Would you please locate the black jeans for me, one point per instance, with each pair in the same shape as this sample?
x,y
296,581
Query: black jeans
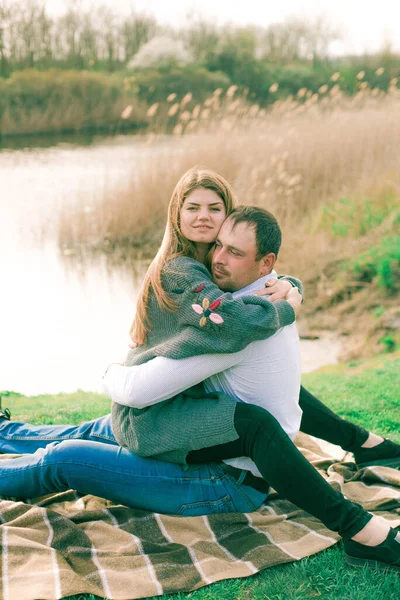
x,y
321,422
281,464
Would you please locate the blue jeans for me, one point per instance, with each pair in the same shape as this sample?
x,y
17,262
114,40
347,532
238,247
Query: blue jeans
x,y
88,459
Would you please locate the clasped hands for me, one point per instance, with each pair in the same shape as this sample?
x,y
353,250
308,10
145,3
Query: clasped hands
x,y
281,289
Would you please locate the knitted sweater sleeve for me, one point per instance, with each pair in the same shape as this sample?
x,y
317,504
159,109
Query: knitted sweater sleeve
x,y
222,323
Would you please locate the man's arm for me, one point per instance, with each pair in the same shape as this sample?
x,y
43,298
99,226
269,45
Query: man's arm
x,y
162,378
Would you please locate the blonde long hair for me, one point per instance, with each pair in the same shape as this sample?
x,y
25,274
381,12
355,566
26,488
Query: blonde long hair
x,y
175,244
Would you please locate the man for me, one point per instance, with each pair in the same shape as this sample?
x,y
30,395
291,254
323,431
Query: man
x,y
265,373
106,470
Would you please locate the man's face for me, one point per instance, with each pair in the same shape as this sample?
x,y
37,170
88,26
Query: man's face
x,y
235,264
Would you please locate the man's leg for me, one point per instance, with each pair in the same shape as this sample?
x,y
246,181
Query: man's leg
x,y
284,467
281,464
321,422
23,438
116,474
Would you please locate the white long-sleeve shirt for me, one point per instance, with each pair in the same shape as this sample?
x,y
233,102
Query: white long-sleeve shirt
x,y
266,373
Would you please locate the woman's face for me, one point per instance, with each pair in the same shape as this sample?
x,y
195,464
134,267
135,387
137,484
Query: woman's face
x,y
202,215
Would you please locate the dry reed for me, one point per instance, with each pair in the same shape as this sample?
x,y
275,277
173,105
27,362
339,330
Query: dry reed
x,y
295,160
299,159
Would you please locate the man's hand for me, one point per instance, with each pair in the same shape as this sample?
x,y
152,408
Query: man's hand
x,y
294,298
277,289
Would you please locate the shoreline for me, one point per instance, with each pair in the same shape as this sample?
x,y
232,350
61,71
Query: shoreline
x,y
58,136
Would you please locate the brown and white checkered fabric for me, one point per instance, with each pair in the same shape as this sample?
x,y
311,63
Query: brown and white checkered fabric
x,y
64,544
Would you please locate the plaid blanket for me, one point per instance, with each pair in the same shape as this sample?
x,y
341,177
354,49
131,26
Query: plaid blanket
x,y
65,544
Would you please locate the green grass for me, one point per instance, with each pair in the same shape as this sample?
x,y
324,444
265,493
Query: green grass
x,y
63,408
354,218
366,392
382,262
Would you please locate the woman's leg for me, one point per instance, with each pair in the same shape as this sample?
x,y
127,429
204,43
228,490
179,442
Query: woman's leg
x,y
23,438
119,475
285,468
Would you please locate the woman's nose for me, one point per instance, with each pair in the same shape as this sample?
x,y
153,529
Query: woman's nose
x,y
204,215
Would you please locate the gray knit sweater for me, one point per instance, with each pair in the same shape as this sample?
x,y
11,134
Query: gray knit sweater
x,y
206,321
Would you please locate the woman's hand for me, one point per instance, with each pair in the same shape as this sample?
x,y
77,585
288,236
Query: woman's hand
x,y
294,298
277,289
132,344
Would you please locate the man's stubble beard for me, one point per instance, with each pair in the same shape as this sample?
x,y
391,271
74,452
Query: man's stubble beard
x,y
224,288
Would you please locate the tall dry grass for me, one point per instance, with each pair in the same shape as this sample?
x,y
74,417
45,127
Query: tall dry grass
x,y
297,159
325,164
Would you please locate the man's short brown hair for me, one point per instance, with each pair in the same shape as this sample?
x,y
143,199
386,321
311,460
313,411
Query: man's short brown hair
x,y
267,230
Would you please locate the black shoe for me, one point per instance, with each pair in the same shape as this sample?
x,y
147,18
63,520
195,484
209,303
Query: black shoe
x,y
5,414
385,556
378,455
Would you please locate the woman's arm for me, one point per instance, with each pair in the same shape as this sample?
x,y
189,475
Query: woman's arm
x,y
226,324
207,321
162,378
293,282
278,289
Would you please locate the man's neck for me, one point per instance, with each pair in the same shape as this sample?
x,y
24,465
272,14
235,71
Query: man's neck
x,y
258,284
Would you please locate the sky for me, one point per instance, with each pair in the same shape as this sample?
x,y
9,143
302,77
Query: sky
x,y
366,25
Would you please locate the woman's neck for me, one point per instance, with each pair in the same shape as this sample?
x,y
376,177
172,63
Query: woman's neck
x,y
201,252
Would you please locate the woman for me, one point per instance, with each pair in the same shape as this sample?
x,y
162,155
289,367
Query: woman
x,y
167,324
196,430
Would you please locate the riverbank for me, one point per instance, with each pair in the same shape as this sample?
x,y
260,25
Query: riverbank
x,y
365,392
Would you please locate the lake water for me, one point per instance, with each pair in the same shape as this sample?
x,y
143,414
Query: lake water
x,y
61,325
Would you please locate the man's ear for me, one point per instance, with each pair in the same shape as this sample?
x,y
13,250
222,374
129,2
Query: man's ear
x,y
267,263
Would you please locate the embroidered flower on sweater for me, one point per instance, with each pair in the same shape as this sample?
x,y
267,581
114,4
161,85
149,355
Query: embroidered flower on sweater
x,y
205,310
195,291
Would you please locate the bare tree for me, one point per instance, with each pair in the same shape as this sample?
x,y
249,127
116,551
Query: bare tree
x,y
88,40
109,38
136,31
299,39
78,38
320,34
68,34
202,36
4,24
